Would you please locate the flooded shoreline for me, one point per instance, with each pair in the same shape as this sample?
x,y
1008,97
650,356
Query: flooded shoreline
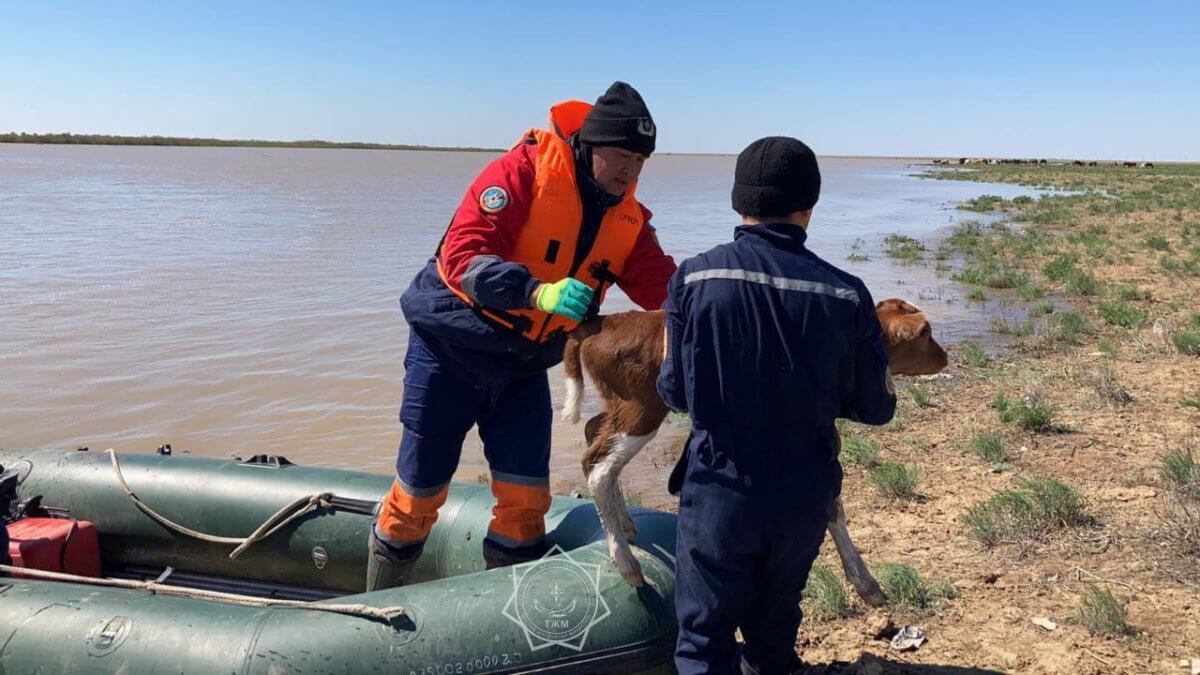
x,y
243,300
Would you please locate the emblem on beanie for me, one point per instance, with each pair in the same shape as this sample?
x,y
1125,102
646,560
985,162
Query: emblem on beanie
x,y
646,126
493,199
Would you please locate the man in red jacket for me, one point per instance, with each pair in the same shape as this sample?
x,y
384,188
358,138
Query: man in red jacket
x,y
538,239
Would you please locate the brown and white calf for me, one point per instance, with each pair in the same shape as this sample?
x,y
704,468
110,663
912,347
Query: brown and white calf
x,y
623,353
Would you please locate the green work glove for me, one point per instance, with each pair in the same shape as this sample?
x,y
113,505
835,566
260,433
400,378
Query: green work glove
x,y
568,297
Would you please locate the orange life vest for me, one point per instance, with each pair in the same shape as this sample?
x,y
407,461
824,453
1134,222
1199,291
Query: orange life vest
x,y
548,239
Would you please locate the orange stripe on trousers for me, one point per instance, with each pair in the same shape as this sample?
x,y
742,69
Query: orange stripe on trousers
x,y
405,519
520,511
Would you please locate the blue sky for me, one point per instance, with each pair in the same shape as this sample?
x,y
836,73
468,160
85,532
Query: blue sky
x,y
1052,79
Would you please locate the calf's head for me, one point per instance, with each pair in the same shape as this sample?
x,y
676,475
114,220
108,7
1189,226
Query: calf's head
x,y
909,339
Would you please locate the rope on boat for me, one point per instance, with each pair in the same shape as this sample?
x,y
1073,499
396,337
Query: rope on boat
x,y
297,509
384,614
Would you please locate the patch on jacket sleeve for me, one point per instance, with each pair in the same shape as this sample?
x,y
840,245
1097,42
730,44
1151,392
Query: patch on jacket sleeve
x,y
493,199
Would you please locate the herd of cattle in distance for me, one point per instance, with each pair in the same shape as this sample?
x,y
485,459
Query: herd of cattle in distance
x,y
1078,162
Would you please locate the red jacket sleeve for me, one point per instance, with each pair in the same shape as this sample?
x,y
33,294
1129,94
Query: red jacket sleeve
x,y
648,269
478,243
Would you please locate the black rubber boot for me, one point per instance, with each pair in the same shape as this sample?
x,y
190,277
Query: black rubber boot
x,y
387,565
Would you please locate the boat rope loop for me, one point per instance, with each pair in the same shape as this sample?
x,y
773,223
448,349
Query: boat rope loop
x,y
297,509
384,614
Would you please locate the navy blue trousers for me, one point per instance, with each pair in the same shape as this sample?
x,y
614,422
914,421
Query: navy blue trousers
x,y
442,401
743,558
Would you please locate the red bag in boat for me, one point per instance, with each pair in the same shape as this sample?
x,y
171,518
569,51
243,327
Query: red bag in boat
x,y
55,545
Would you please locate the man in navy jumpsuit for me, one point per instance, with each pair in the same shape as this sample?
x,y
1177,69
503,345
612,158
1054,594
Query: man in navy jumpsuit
x,y
768,345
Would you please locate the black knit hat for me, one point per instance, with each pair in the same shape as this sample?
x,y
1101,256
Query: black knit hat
x,y
620,118
775,176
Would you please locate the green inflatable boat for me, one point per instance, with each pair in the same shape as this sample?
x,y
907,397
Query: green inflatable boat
x,y
169,598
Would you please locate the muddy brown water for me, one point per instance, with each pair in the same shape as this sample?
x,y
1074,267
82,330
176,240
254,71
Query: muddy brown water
x,y
242,300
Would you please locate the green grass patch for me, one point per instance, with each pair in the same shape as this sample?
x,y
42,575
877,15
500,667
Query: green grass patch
x,y
1107,347
1043,308
1079,282
825,596
1013,328
1187,342
904,587
1188,267
860,451
967,237
895,480
857,257
1029,512
1157,243
921,395
1030,412
974,355
1030,292
1181,473
1070,327
1101,613
1192,401
976,295
1123,314
989,446
1129,293
992,276
1059,268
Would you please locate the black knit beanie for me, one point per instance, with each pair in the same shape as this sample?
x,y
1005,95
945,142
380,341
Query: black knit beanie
x,y
621,119
775,176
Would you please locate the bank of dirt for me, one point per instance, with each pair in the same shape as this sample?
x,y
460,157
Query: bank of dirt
x,y
1107,351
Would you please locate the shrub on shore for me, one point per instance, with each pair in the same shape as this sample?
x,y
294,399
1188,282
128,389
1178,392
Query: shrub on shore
x,y
1187,342
1030,412
825,595
982,203
974,355
860,451
1123,315
989,446
1101,613
1069,327
1031,511
895,480
904,587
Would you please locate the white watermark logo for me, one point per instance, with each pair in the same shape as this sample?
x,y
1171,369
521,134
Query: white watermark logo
x,y
556,600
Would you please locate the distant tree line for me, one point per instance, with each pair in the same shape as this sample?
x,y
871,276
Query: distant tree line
x,y
104,139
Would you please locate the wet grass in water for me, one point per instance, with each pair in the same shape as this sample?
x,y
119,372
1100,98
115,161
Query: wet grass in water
x,y
902,247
